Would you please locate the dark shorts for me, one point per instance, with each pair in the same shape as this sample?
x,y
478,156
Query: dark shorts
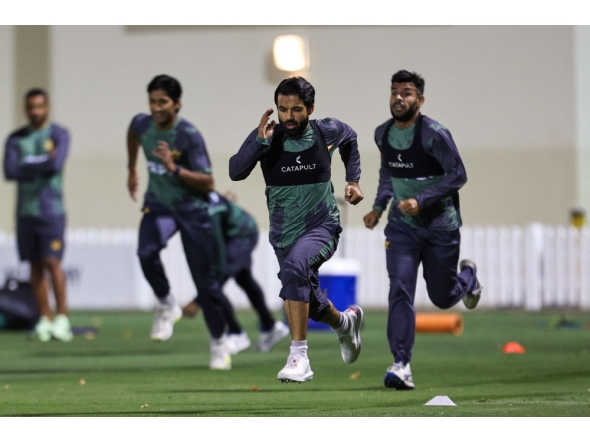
x,y
40,238
299,265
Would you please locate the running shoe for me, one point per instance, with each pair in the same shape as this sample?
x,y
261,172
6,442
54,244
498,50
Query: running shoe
x,y
43,329
62,329
237,342
268,339
399,377
164,319
220,355
471,299
297,369
350,341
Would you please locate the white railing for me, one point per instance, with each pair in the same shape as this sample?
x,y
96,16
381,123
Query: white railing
x,y
531,268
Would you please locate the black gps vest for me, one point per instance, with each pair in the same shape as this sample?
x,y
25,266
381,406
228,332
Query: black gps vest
x,y
411,163
284,168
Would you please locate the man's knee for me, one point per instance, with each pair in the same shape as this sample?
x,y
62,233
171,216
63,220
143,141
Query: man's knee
x,y
293,270
52,264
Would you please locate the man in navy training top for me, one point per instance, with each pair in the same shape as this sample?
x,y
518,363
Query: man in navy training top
x,y
35,157
176,200
422,171
295,158
237,234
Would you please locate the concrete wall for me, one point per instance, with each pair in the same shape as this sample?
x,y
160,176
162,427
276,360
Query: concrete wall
x,y
489,85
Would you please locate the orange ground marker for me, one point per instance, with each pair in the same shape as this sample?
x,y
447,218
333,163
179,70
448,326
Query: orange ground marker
x,y
513,347
439,323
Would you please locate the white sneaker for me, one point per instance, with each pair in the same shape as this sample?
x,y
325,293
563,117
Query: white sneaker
x,y
220,355
62,329
399,377
471,299
43,329
297,369
268,339
164,319
237,342
350,341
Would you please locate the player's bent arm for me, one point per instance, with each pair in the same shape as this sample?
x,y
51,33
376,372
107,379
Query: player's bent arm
x,y
372,219
133,144
201,181
243,162
12,168
384,189
446,152
339,134
56,159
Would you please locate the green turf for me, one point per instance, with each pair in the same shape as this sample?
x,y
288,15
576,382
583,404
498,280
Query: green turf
x,y
123,370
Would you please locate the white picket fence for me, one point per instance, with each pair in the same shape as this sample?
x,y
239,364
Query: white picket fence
x,y
528,267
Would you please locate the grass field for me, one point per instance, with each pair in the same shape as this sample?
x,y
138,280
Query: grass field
x,y
122,373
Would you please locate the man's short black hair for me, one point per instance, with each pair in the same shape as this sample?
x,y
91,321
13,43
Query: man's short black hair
x,y
406,76
296,86
168,84
36,92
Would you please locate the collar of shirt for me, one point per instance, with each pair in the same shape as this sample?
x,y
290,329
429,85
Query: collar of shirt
x,y
307,140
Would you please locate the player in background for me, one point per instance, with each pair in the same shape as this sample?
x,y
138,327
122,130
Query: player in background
x,y
176,199
422,172
295,157
35,157
237,234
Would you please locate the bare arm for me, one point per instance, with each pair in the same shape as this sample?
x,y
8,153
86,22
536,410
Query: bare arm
x,y
132,149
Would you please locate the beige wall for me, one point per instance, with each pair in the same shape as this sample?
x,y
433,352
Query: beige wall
x,y
487,84
7,121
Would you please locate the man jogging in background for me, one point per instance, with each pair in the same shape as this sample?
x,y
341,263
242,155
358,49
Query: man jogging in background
x,y
422,171
237,234
35,157
295,158
176,200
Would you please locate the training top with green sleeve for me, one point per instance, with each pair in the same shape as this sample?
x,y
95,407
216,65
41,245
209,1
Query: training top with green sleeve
x,y
297,172
35,159
420,162
165,193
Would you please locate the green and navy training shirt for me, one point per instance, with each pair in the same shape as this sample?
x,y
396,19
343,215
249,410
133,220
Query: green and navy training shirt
x,y
35,159
431,172
166,193
299,192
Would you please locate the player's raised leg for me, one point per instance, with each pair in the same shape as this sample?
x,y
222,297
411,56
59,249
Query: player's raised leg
x,y
154,233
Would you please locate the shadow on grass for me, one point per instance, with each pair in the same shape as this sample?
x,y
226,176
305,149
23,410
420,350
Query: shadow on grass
x,y
91,370
103,353
280,390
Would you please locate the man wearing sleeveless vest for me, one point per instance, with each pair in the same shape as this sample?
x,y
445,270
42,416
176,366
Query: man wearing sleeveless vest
x,y
422,172
295,158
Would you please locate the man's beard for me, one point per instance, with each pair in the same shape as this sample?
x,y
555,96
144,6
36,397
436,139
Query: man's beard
x,y
408,115
298,131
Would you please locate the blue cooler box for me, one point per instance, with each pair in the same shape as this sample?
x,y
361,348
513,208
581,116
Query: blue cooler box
x,y
338,276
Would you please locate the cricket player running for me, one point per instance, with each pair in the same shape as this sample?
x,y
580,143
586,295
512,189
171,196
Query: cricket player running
x,y
176,199
295,158
422,171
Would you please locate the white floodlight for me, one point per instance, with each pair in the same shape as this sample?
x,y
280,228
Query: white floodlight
x,y
291,53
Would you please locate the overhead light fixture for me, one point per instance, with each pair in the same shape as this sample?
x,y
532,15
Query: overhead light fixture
x,y
291,53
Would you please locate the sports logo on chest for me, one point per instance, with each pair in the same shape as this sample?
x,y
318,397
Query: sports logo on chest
x,y
299,166
400,163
